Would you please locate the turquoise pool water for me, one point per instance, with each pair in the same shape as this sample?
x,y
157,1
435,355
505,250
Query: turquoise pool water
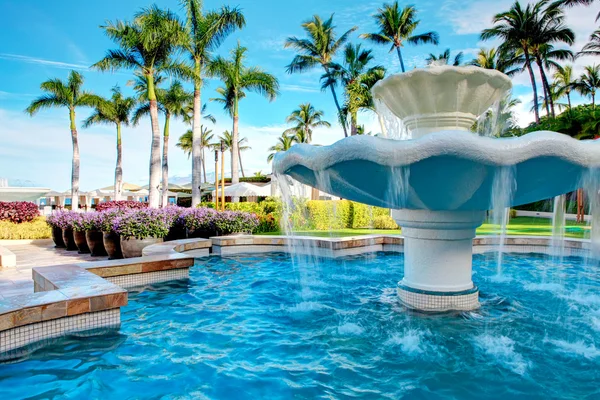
x,y
267,326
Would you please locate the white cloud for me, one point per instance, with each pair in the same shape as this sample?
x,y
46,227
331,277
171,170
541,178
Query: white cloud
x,y
41,61
299,88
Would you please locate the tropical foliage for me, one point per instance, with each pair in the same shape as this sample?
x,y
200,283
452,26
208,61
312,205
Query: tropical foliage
x,y
305,119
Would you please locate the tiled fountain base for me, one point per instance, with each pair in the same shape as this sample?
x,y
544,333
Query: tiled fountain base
x,y
423,300
130,281
23,340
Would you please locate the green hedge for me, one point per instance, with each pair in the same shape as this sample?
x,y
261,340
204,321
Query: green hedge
x,y
329,214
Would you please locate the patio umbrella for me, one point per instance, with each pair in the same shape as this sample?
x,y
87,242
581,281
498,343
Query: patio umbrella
x,y
245,189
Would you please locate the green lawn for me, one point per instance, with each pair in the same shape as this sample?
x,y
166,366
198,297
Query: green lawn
x,y
531,226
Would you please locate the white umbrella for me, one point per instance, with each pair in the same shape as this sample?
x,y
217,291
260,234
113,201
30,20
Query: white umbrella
x,y
244,189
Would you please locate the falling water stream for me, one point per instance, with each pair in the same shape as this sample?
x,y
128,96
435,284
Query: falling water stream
x,y
503,188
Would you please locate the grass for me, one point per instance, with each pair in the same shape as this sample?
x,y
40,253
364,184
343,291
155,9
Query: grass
x,y
36,229
530,226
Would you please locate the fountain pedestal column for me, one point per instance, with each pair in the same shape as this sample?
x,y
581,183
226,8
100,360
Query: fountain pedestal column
x,y
438,255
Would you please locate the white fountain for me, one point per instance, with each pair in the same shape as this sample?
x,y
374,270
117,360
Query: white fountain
x,y
441,182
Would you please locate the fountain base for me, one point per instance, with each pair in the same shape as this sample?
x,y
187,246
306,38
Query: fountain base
x,y
438,255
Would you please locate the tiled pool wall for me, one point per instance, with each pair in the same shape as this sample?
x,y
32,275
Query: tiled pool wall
x,y
85,299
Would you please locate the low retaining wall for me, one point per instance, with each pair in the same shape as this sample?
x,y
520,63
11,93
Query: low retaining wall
x,y
8,259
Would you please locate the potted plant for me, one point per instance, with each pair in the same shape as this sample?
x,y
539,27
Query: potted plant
x,y
140,228
56,231
110,238
64,220
79,233
199,222
178,230
91,221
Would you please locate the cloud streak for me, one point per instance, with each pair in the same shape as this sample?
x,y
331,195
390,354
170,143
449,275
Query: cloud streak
x,y
42,61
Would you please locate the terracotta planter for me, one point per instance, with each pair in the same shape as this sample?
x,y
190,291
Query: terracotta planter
x,y
95,243
201,233
176,233
133,247
68,240
80,241
57,237
112,245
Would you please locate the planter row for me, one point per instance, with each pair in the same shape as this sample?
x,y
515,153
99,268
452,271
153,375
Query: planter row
x,y
99,244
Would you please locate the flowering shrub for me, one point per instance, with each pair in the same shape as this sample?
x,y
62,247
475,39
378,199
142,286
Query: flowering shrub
x,y
63,219
141,224
176,214
267,223
122,205
200,219
18,211
90,221
106,218
227,222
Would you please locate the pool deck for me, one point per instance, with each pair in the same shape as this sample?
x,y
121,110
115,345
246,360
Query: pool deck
x,y
30,254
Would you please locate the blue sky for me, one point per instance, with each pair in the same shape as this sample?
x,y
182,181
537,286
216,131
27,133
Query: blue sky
x,y
46,39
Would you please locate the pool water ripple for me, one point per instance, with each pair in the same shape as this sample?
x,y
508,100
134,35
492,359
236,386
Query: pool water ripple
x,y
270,326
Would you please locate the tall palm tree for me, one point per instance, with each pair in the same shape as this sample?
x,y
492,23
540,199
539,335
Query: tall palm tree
x,y
69,95
186,144
172,102
146,45
357,79
305,119
517,28
114,111
284,143
396,27
589,82
238,79
444,59
205,33
318,50
227,140
592,48
565,82
493,58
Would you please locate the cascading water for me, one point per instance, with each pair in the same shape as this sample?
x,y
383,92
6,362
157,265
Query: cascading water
x,y
557,248
502,193
392,127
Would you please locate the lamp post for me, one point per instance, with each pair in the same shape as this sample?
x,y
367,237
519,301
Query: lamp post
x,y
223,175
216,179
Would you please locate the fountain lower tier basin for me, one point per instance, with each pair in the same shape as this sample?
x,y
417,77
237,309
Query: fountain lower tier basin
x,y
451,170
279,327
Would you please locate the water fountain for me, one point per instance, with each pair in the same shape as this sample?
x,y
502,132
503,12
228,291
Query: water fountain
x,y
445,177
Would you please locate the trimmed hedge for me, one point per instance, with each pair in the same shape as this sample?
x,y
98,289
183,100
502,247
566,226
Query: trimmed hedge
x,y
122,205
330,214
35,229
18,211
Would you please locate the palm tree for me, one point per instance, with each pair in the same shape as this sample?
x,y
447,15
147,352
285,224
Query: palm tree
x,y
69,95
115,111
205,33
571,3
357,79
493,58
517,28
396,27
238,79
589,82
305,119
318,50
146,45
227,139
444,59
186,144
593,47
563,78
284,143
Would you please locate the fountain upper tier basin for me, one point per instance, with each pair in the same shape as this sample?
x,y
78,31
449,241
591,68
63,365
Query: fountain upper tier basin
x,y
448,170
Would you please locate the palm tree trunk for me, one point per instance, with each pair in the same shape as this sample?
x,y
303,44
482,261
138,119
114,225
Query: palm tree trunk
x,y
119,166
75,163
165,163
204,165
536,106
400,58
197,138
353,122
241,166
154,181
547,92
569,100
337,104
235,174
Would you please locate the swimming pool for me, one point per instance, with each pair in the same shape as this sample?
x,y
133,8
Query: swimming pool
x,y
273,326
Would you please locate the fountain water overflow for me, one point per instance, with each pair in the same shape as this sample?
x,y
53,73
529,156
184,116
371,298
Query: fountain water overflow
x,y
440,183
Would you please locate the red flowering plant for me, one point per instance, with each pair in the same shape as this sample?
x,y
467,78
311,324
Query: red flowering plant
x,y
121,205
18,211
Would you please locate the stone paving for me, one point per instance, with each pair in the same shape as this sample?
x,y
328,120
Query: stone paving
x,y
37,253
